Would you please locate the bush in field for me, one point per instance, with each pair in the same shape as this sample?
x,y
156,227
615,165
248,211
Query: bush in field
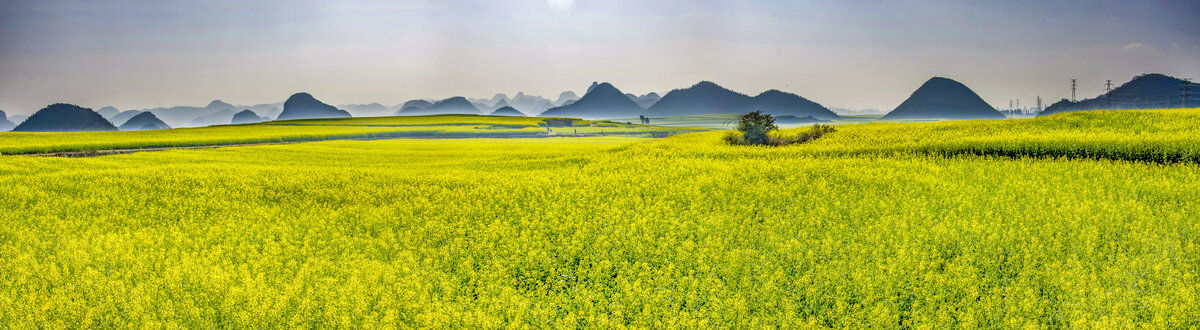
x,y
755,126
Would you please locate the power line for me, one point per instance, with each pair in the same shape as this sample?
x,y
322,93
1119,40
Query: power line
x,y
1073,85
1108,93
1187,87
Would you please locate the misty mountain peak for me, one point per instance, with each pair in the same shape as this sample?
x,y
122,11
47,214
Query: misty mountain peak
x,y
218,104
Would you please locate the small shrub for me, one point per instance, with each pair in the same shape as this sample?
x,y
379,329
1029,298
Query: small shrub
x,y
755,126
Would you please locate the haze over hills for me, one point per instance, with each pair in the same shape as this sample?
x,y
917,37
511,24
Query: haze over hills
x,y
707,97
787,104
565,97
521,102
182,116
247,117
453,105
121,117
305,106
938,98
1148,91
500,105
143,121
108,111
507,111
216,118
943,98
601,101
413,105
367,110
790,119
5,125
62,117
644,101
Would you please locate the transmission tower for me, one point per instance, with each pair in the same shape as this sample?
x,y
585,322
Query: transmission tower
x,y
1018,104
1108,93
1186,89
1039,104
1073,85
1010,107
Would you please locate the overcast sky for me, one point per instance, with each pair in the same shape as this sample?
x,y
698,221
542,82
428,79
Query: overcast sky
x,y
857,54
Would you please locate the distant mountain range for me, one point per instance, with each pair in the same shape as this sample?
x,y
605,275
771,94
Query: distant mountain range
x,y
644,101
937,98
215,113
222,117
520,102
601,101
1148,91
62,117
565,97
453,105
942,98
709,98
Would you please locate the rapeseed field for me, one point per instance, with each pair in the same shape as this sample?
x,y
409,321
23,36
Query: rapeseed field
x,y
1076,220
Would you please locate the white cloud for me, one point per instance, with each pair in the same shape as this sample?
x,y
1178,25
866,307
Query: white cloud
x,y
1138,46
561,5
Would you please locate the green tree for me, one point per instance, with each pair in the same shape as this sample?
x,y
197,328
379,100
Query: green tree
x,y
755,126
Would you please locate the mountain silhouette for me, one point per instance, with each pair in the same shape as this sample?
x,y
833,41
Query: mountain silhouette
x,y
183,116
453,105
602,101
707,97
217,118
589,89
702,98
942,98
144,121
531,103
565,97
497,98
247,117
508,111
420,104
1148,91
5,124
645,101
62,117
305,106
123,116
501,104
780,103
108,112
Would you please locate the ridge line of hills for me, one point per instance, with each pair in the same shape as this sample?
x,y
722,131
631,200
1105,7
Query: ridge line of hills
x,y
937,98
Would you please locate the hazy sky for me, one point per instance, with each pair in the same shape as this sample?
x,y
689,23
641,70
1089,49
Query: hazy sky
x,y
859,54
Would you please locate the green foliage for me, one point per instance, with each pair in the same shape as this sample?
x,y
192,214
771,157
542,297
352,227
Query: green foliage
x,y
755,126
